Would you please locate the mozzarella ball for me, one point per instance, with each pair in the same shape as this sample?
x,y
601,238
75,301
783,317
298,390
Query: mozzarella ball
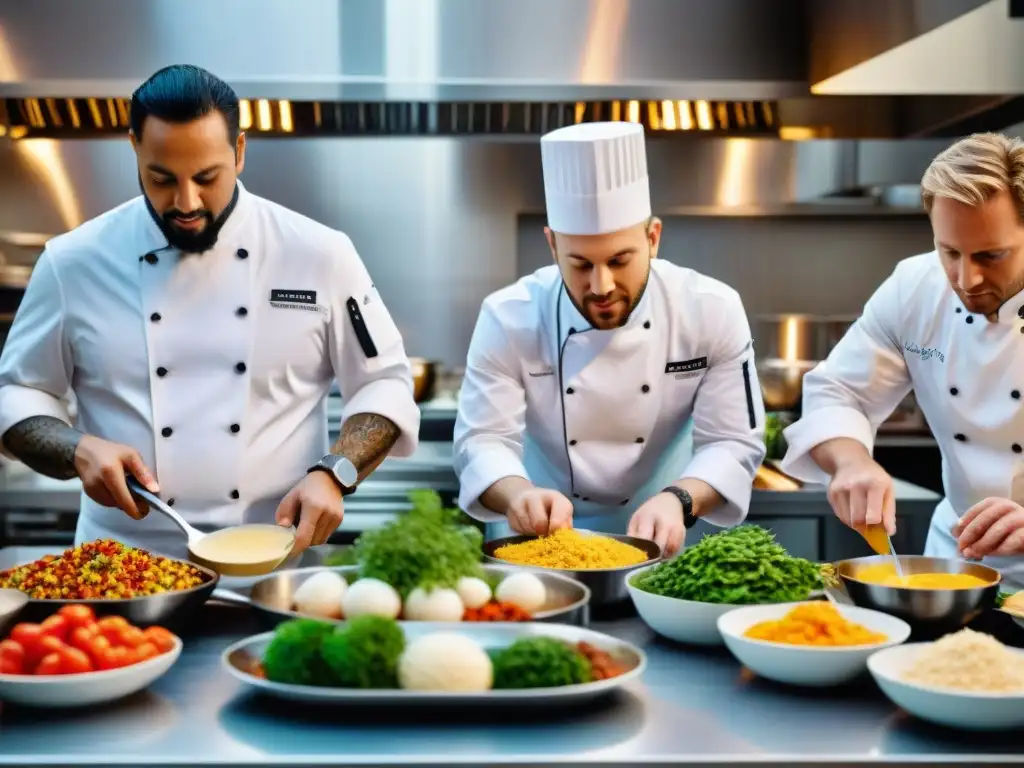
x,y
320,595
433,605
445,661
523,589
475,593
371,597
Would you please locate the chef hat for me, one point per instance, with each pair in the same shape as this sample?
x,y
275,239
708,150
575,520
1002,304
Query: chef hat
x,y
595,178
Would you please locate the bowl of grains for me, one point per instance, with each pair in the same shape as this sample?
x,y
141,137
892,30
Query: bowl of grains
x,y
966,680
114,579
601,561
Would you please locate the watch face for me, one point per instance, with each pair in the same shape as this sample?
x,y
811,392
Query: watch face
x,y
346,472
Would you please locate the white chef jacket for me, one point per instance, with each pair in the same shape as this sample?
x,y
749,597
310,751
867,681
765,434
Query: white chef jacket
x,y
215,367
601,416
967,375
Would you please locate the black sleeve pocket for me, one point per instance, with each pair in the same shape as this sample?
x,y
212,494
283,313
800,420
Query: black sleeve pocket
x,y
359,326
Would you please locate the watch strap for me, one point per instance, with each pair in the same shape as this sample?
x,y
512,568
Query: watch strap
x,y
689,519
326,464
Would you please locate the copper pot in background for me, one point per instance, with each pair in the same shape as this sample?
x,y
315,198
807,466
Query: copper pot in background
x,y
782,383
424,379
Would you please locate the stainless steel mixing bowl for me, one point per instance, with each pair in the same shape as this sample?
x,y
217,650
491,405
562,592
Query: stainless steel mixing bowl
x,y
607,585
932,611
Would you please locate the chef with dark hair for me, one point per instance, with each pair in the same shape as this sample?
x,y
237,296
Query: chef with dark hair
x,y
582,378
199,329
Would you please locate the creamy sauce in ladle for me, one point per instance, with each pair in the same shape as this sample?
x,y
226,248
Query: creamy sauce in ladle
x,y
244,544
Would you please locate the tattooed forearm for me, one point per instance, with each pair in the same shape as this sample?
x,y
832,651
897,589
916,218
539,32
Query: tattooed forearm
x,y
366,439
45,444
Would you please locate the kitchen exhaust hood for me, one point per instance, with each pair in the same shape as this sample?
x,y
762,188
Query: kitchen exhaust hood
x,y
503,68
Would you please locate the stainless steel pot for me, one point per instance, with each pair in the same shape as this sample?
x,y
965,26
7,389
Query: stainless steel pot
x,y
607,585
930,611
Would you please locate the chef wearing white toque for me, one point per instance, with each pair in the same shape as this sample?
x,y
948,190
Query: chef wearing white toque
x,y
582,379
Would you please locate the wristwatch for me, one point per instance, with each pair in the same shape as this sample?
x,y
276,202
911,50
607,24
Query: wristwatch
x,y
341,469
689,520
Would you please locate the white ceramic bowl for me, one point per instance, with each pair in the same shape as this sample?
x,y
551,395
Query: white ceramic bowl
x,y
685,621
802,664
957,709
11,603
87,688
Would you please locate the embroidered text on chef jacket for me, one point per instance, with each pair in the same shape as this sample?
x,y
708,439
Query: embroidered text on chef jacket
x,y
215,367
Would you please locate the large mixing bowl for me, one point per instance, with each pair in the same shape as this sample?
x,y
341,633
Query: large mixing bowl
x,y
930,611
607,585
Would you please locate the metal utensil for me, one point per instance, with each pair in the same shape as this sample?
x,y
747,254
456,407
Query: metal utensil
x,y
241,659
607,585
879,540
928,610
198,541
273,597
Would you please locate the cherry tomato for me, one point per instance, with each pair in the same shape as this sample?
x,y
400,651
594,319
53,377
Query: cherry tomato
x,y
74,662
26,635
98,645
163,639
12,657
50,665
81,638
56,626
112,626
131,637
115,657
146,650
77,615
112,622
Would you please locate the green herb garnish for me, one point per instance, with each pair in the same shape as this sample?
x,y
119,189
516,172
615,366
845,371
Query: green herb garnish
x,y
427,547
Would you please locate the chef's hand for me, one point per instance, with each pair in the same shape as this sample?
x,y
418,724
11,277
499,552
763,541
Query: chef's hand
x,y
991,527
317,504
539,511
660,519
102,466
861,494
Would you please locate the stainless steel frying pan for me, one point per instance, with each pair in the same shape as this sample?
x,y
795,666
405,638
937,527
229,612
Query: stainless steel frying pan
x,y
273,597
167,609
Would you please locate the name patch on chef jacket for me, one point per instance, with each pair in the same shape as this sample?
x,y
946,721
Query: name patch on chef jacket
x,y
288,299
686,369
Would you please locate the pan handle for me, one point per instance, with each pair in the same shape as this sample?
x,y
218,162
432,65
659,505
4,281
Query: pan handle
x,y
230,596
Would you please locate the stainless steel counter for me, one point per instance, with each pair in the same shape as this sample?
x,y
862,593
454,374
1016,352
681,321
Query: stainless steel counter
x,y
696,707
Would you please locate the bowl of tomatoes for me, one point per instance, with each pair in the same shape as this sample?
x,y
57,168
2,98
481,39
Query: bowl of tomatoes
x,y
74,659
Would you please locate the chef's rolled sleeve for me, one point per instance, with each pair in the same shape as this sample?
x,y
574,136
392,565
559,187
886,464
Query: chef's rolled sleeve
x,y
373,371
728,418
36,362
851,392
491,419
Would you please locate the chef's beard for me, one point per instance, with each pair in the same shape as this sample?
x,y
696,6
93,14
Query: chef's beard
x,y
191,242
588,311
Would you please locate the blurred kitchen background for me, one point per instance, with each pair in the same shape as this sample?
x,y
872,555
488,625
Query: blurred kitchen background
x,y
786,143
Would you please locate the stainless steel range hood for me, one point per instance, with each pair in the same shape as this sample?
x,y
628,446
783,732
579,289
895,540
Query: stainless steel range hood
x,y
410,67
505,68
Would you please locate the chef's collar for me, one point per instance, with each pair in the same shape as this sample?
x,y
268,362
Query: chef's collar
x,y
573,321
154,240
1012,311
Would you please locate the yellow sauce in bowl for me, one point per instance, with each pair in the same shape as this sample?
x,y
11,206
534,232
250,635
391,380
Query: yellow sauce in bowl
x,y
886,576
